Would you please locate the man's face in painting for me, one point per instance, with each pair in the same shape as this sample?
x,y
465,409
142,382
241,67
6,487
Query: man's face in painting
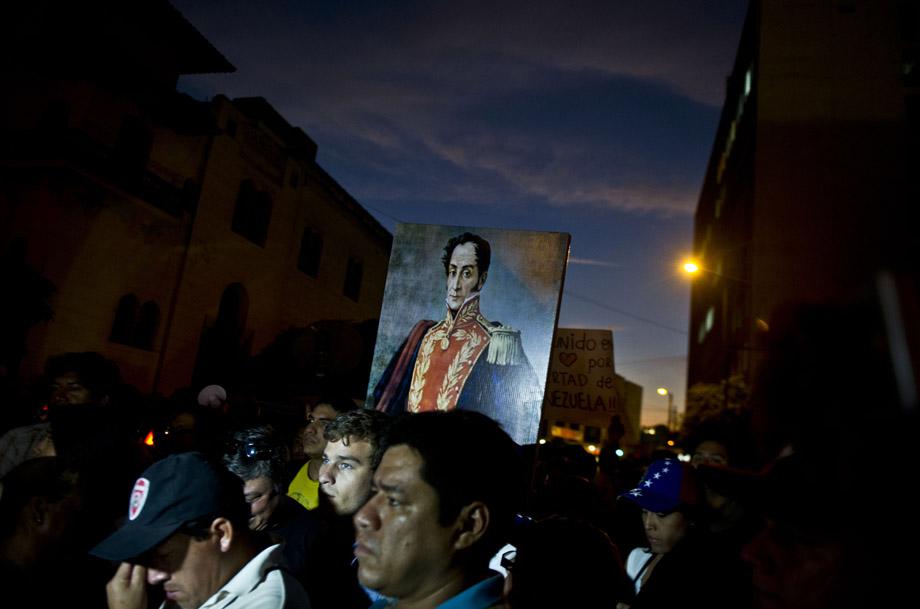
x,y
463,278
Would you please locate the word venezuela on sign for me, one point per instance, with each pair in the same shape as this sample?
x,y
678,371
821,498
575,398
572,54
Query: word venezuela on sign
x,y
581,386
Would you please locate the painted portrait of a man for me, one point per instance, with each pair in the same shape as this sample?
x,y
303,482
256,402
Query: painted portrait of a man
x,y
465,359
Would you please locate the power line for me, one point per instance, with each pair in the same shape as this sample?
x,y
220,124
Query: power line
x,y
653,359
626,313
382,213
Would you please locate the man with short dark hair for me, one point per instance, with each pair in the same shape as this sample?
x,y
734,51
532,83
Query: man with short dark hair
x,y
254,455
354,447
80,386
444,499
187,531
304,488
40,523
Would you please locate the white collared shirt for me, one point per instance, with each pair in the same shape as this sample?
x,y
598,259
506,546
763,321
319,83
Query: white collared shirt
x,y
260,584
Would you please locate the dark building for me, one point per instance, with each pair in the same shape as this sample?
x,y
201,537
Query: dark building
x,y
180,236
812,178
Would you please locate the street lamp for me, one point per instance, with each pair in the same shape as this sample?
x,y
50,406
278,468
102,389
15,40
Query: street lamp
x,y
693,267
672,415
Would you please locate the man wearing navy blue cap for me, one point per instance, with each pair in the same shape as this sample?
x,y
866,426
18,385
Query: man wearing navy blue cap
x,y
187,530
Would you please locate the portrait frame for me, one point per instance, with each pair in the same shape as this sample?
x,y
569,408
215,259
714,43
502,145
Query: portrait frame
x,y
522,292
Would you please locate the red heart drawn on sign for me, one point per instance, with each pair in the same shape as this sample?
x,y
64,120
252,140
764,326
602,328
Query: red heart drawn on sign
x,y
568,358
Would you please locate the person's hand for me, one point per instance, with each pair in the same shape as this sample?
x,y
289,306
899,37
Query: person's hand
x,y
128,588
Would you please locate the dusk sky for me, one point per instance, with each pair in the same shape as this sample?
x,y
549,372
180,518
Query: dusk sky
x,y
594,118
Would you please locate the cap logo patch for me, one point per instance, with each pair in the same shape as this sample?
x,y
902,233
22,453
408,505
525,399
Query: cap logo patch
x,y
138,497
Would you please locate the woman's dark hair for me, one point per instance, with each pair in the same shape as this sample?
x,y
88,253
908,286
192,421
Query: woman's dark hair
x,y
99,375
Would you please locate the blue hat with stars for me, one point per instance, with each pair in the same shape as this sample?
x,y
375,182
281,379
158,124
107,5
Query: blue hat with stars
x,y
667,485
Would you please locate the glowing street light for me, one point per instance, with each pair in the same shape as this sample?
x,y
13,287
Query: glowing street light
x,y
694,267
672,415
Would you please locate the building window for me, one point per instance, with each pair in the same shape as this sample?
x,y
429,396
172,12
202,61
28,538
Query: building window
x,y
720,201
909,20
132,150
252,213
148,320
135,325
707,324
311,250
353,273
125,317
910,67
846,6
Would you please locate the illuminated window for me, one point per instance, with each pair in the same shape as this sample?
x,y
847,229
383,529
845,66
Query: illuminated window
x,y
707,324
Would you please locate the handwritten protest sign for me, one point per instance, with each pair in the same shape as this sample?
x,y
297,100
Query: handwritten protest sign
x,y
581,386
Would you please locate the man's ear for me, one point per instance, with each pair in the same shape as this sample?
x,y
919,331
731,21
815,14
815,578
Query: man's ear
x,y
222,529
482,281
38,512
472,524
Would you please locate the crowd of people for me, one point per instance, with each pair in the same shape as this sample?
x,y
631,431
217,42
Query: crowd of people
x,y
233,504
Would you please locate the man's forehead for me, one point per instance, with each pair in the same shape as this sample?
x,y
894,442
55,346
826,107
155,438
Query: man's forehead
x,y
401,466
67,377
325,411
257,484
176,543
464,255
348,447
